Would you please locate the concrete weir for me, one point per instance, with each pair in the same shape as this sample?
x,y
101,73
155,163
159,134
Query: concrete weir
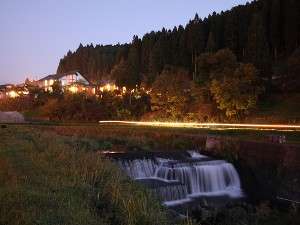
x,y
186,181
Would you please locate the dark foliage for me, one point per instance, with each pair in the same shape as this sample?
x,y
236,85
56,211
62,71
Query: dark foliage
x,y
264,33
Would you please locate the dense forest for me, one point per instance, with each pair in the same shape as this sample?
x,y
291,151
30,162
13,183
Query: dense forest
x,y
265,33
239,65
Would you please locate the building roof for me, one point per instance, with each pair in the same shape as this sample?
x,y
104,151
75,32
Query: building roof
x,y
58,76
5,86
82,84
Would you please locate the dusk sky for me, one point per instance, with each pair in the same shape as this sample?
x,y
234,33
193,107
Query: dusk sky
x,y
35,34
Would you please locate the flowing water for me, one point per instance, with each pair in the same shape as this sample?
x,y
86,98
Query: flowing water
x,y
181,180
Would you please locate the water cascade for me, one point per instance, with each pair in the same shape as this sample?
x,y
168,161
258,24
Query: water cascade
x,y
177,182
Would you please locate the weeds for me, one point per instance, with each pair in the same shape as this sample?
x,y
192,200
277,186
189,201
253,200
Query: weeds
x,y
55,175
50,179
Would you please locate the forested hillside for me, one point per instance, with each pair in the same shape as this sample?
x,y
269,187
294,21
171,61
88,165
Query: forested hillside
x,y
265,33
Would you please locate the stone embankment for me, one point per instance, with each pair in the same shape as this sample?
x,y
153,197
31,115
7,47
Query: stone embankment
x,y
268,170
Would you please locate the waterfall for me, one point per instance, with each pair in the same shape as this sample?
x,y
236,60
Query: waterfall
x,y
139,168
180,181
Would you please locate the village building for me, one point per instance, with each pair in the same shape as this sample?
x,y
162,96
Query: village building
x,y
70,82
73,82
2,91
12,91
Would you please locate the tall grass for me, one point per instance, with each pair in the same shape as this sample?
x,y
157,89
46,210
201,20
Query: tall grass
x,y
138,138
50,179
162,138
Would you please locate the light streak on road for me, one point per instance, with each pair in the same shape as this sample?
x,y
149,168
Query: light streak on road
x,y
221,126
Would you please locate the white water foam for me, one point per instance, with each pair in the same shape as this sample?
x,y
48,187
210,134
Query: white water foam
x,y
180,181
196,155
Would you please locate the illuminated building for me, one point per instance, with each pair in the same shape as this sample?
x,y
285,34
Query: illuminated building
x,y
4,89
12,91
72,82
108,87
12,94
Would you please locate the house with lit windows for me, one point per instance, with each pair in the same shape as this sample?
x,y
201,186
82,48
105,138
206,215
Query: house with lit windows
x,y
3,90
71,81
12,91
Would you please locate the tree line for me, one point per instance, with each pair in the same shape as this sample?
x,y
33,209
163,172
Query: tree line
x,y
265,33
214,69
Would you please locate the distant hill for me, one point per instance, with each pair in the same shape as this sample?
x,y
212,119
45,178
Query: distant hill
x,y
264,32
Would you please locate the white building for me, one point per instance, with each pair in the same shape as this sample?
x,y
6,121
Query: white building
x,y
72,81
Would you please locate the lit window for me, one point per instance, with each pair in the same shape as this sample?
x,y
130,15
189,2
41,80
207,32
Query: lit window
x,y
13,94
73,89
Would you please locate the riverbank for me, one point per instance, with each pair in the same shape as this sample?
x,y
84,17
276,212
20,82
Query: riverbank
x,y
59,169
272,167
52,179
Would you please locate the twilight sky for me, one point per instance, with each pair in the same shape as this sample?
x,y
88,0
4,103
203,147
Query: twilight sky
x,y
35,34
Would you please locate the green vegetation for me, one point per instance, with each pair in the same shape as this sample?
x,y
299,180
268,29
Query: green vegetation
x,y
163,138
170,94
274,107
56,175
229,58
226,67
47,178
57,106
226,91
264,33
237,94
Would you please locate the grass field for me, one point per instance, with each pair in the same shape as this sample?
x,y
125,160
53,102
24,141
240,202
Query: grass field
x,y
47,178
168,136
278,109
55,174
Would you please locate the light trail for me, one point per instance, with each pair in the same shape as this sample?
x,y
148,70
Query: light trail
x,y
280,127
